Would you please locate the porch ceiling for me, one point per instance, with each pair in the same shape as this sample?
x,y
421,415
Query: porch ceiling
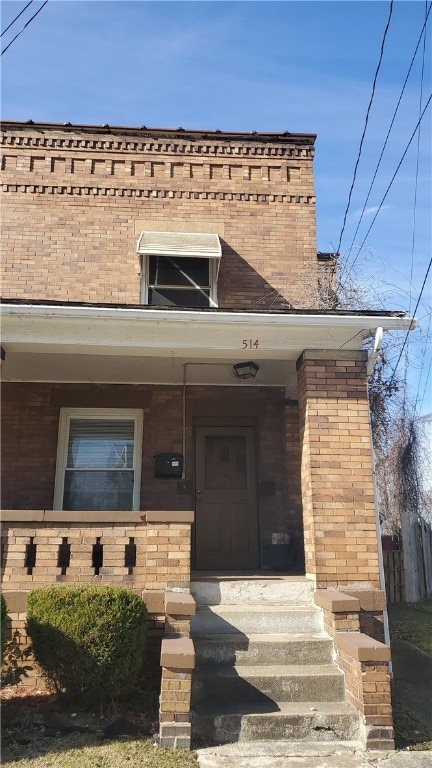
x,y
23,365
94,343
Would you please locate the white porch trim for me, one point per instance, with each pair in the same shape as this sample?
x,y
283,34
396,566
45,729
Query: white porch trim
x,y
186,333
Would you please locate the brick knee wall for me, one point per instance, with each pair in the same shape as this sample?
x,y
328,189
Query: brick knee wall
x,y
364,659
368,689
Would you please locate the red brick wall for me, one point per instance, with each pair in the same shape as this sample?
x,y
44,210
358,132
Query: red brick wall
x,y
30,425
74,204
338,495
29,446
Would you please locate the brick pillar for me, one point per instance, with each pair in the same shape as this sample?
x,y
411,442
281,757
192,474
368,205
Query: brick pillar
x,y
177,662
337,482
365,663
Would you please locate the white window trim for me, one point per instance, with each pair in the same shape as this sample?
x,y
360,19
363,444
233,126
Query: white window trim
x,y
116,414
213,275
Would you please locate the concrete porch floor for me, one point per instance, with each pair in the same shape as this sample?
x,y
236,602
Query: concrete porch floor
x,y
264,575
250,587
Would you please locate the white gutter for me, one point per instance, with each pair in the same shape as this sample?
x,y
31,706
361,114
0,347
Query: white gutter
x,y
370,366
364,322
375,352
378,533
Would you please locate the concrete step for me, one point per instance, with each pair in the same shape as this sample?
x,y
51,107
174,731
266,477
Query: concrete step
x,y
267,684
314,721
236,648
284,753
283,590
255,619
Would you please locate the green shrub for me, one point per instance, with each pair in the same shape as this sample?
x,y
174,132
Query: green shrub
x,y
3,624
88,640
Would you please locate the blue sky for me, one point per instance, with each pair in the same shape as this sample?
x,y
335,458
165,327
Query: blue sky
x,y
264,66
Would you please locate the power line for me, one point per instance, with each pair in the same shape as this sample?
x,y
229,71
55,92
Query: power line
x,y
16,18
421,369
425,418
390,127
22,30
412,319
388,187
365,126
417,165
413,239
425,388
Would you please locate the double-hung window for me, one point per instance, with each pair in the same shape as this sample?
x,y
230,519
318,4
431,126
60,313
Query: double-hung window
x,y
99,460
179,269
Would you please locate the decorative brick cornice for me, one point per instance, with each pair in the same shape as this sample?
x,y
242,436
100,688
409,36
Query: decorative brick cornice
x,y
155,193
114,144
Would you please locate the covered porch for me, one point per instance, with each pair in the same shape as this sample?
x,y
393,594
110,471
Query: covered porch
x,y
264,463
134,454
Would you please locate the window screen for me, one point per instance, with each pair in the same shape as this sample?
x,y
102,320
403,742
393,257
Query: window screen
x,y
99,472
179,281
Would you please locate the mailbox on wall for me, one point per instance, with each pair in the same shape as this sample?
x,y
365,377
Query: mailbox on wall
x,y
168,464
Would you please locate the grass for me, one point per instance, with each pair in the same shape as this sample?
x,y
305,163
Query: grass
x,y
410,733
44,731
412,622
74,752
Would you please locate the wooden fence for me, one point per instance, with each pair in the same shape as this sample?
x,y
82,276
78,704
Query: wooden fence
x,y
394,570
394,575
424,549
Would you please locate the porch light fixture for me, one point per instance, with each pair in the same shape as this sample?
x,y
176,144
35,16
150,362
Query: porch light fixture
x,y
246,370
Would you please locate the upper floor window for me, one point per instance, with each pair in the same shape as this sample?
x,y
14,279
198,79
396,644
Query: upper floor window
x,y
179,269
98,459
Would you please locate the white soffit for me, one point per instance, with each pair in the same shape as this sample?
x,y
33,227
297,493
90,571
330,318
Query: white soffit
x,y
190,333
191,244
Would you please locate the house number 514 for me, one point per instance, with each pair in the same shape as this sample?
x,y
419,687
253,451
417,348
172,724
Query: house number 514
x,y
250,344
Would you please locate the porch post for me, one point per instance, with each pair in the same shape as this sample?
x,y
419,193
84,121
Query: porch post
x,y
337,482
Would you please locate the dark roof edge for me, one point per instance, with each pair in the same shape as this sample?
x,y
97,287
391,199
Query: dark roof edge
x,y
144,307
267,136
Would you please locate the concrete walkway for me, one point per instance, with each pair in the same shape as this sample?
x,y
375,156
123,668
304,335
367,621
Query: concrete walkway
x,y
300,755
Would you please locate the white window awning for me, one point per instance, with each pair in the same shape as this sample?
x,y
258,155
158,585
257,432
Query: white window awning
x,y
192,244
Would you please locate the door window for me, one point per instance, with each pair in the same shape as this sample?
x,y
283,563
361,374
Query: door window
x,y
225,462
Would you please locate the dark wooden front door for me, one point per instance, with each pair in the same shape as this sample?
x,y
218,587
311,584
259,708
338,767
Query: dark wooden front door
x,y
226,530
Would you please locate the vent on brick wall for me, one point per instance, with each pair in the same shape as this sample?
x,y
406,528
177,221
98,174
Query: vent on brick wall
x,y
30,556
97,556
63,558
130,555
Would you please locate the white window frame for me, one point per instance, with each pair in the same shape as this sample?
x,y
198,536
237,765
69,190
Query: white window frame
x,y
213,275
115,414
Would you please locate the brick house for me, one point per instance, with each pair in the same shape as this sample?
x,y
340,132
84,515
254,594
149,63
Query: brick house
x,y
178,417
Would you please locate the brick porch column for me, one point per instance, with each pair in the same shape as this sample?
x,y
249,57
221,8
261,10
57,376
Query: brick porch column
x,y
337,484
